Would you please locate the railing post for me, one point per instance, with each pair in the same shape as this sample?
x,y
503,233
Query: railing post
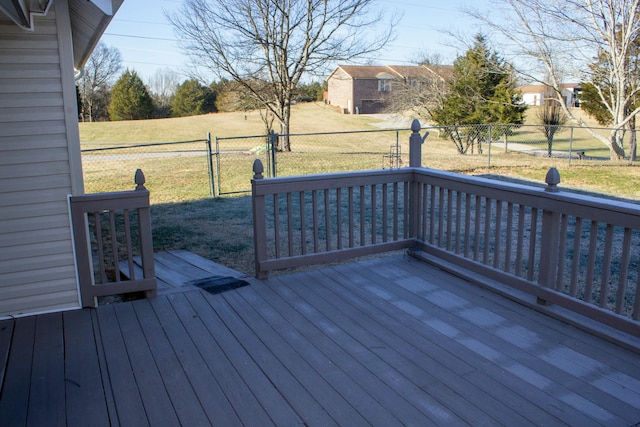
x,y
415,144
415,161
259,220
146,234
549,249
112,202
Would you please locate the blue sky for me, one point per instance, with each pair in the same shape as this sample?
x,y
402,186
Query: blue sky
x,y
147,42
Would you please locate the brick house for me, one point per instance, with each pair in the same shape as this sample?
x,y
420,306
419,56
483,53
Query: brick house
x,y
365,89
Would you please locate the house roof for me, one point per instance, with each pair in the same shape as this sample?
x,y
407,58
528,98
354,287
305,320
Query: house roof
x,y
361,72
89,19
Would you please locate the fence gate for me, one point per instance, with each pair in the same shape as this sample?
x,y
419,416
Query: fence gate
x,y
237,153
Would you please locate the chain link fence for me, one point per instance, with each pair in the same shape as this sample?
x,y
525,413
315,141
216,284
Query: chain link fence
x,y
311,153
173,170
188,170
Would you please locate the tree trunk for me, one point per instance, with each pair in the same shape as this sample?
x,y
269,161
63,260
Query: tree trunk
x,y
285,141
616,148
633,139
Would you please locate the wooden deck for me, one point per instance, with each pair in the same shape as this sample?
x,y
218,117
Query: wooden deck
x,y
391,341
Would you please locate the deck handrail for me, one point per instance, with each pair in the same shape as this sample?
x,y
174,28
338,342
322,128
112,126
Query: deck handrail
x,y
100,247
573,250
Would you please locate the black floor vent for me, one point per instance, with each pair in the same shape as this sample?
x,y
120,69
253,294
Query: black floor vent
x,y
216,284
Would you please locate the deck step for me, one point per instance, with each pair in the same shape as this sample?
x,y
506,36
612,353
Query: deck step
x,y
182,270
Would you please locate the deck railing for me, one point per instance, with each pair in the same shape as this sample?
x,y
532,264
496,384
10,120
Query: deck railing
x,y
576,251
108,228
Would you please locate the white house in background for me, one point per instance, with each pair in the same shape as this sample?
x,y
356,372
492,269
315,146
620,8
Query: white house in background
x,y
535,95
42,43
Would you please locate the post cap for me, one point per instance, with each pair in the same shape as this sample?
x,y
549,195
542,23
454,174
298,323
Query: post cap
x,y
552,179
139,180
258,169
415,125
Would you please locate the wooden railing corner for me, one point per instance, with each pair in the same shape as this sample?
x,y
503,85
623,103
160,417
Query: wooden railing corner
x,y
99,242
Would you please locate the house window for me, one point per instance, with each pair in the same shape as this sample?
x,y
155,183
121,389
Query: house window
x,y
384,85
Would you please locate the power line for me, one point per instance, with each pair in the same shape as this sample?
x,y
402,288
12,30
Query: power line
x,y
140,37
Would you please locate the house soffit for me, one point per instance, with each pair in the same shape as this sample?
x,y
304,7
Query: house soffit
x,y
22,12
89,19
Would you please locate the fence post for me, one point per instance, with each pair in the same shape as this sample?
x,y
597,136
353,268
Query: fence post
x,y
489,153
217,174
570,144
272,152
210,163
259,220
397,148
549,247
506,138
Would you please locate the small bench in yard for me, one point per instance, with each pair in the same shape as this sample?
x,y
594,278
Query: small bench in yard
x,y
180,270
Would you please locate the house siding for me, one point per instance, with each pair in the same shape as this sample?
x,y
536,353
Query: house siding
x,y
356,88
39,165
340,90
368,98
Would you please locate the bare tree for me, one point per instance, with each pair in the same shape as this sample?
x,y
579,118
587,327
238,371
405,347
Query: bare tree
x,y
552,118
421,89
162,86
563,37
99,72
252,41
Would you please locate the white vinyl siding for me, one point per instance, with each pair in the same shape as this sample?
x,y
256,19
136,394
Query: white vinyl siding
x,y
37,271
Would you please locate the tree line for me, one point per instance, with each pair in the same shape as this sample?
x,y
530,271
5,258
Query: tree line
x,y
106,93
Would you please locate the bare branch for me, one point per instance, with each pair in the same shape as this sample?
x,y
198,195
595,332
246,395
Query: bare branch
x,y
277,41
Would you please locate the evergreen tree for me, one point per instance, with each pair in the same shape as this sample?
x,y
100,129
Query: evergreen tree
x,y
192,99
482,91
130,99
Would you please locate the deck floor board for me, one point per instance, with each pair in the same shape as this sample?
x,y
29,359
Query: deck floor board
x,y
388,341
274,403
17,383
183,397
211,396
236,391
85,397
402,355
148,377
329,384
46,397
6,334
378,402
469,323
125,390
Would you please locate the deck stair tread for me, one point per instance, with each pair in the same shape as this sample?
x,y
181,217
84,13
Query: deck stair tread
x,y
179,270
